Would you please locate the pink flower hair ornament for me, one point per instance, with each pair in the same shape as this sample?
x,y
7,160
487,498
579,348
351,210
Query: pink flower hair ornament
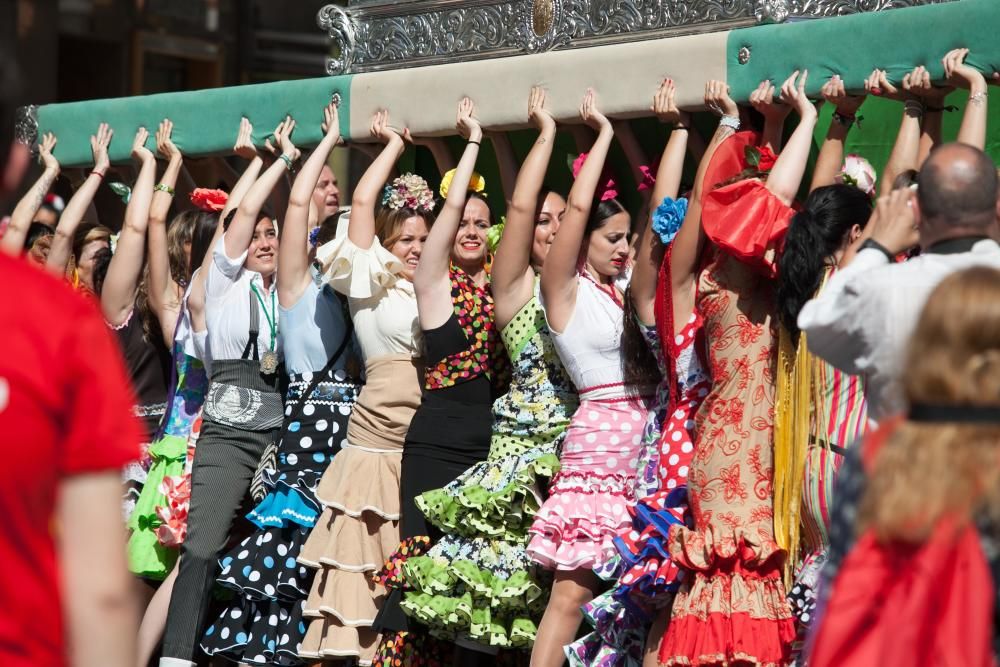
x,y
607,188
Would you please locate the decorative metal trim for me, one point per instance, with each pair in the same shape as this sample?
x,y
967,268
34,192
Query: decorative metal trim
x,y
26,126
336,99
743,55
341,28
392,35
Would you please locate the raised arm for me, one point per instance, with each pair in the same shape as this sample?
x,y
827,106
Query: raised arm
x,y
831,153
512,278
125,269
507,162
79,203
240,233
430,280
164,293
293,253
686,249
361,227
12,241
668,183
786,176
931,98
907,147
559,282
774,114
973,129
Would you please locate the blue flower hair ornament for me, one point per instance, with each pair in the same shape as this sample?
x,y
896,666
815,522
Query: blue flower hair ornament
x,y
314,237
667,218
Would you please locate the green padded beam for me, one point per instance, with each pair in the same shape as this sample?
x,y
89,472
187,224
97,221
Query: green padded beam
x,y
853,46
205,121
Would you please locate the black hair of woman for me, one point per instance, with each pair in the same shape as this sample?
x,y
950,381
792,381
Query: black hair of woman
x,y
36,231
817,233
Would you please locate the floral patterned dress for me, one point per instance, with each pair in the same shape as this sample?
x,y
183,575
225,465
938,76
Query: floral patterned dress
x,y
731,608
477,582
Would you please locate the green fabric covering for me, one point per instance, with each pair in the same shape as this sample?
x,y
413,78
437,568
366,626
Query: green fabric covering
x,y
852,46
205,121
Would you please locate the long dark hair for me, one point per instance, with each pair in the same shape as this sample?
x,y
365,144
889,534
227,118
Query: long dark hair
x,y
601,212
640,371
816,233
201,238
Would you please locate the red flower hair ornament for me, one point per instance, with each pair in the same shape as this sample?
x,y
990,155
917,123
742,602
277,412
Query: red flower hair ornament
x,y
209,200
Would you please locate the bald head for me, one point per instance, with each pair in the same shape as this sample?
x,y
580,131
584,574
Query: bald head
x,y
957,187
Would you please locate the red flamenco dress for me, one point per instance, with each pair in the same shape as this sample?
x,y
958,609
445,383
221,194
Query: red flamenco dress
x,y
732,608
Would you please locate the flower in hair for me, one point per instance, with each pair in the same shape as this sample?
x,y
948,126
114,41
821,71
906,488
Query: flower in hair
x,y
667,218
408,191
55,202
494,234
476,184
606,187
314,237
123,191
858,172
760,158
113,242
209,200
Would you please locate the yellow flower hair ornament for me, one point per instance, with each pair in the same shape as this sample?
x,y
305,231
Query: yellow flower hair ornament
x,y
476,184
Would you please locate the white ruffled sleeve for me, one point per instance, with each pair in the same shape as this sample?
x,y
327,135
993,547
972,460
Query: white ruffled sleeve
x,y
357,273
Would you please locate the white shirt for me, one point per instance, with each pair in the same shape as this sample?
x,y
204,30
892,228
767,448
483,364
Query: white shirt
x,y
383,303
861,322
227,306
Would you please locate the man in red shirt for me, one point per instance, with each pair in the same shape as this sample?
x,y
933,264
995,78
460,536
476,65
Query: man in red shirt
x,y
66,429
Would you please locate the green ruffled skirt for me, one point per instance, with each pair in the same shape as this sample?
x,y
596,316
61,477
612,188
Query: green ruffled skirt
x,y
146,556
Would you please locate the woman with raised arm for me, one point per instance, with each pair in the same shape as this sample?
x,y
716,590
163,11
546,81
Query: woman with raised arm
x,y
583,301
169,520
126,307
148,556
263,624
641,598
12,241
466,368
831,165
243,407
358,529
76,209
486,512
732,607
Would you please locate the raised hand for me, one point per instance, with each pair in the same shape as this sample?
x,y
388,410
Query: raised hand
x,y
877,84
793,93
139,151
244,147
331,121
283,137
381,130
45,155
835,93
762,99
590,114
961,75
164,144
664,106
99,148
537,113
718,101
466,123
893,223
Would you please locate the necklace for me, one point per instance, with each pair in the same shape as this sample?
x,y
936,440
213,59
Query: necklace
x,y
268,360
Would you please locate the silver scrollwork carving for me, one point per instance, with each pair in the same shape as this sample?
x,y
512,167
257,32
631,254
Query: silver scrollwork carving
x,y
388,35
26,126
339,25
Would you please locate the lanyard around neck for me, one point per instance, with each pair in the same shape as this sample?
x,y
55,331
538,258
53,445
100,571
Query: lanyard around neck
x,y
270,316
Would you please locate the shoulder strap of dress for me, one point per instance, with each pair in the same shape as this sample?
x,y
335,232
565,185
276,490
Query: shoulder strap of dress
x,y
251,348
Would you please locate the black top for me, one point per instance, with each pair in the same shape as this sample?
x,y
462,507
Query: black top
x,y
149,365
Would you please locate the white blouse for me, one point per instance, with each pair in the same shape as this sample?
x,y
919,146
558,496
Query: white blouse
x,y
383,303
227,306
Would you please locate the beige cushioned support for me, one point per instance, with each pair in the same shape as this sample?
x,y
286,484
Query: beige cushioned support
x,y
625,77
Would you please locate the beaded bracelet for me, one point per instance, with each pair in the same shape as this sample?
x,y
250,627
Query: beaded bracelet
x,y
845,120
732,122
161,187
287,160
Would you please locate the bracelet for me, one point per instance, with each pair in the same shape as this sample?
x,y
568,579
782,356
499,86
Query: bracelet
x,y
844,119
470,141
732,122
161,187
978,98
97,173
287,160
875,245
914,106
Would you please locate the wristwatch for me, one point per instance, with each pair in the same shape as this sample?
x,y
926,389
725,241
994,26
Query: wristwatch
x,y
875,245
